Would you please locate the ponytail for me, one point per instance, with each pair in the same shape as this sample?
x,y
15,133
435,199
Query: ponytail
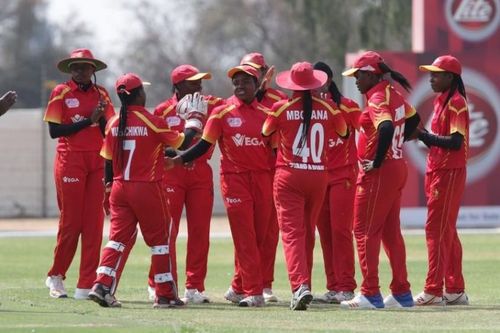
x,y
456,84
125,99
335,92
396,76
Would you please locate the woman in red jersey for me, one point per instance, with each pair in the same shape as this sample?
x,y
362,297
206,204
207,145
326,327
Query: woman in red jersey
x,y
302,125
384,125
76,114
267,96
444,183
336,217
134,151
187,184
246,180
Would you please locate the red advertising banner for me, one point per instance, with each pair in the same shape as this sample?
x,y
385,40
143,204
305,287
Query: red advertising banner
x,y
469,30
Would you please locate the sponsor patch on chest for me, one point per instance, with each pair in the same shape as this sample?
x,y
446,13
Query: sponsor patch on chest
x,y
173,121
234,122
72,102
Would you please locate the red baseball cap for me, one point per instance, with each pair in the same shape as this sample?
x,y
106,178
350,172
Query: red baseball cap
x,y
243,68
368,61
253,59
79,56
302,76
187,72
445,63
128,82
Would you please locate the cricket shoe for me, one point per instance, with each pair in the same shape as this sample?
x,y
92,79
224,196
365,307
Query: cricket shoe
x,y
56,286
456,299
162,302
364,302
269,297
301,298
233,296
256,300
194,296
81,293
404,300
425,299
102,296
334,297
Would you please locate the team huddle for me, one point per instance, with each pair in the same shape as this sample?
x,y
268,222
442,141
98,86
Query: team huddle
x,y
290,164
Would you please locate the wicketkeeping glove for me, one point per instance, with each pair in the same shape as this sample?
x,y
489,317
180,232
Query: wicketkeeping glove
x,y
193,108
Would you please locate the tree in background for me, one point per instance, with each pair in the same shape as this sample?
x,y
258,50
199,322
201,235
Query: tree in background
x,y
211,34
215,34
29,50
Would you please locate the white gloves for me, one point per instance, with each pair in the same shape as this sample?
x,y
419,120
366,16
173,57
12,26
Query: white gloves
x,y
193,108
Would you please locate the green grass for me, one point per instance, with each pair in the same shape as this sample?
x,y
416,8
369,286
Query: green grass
x,y
26,306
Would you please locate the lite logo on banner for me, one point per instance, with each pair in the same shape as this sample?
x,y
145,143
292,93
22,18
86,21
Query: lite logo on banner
x,y
473,20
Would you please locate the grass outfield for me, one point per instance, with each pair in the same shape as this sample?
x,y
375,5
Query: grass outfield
x,y
26,306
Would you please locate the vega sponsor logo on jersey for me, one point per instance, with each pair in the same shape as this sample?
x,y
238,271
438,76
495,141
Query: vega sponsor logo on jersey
x,y
233,200
298,114
484,119
473,20
77,118
70,179
241,140
132,131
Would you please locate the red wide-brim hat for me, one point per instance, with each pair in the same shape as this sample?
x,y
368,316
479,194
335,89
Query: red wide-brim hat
x,y
302,76
80,56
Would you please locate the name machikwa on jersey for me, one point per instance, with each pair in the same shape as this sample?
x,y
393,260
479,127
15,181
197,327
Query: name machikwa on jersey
x,y
286,120
142,155
384,104
69,104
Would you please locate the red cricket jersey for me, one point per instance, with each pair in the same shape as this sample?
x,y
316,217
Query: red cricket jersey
x,y
237,126
286,120
142,156
68,104
342,152
384,103
166,110
446,120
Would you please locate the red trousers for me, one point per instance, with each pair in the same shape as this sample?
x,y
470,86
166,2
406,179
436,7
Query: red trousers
x,y
298,196
376,220
78,178
193,188
444,189
248,200
335,229
270,248
145,204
